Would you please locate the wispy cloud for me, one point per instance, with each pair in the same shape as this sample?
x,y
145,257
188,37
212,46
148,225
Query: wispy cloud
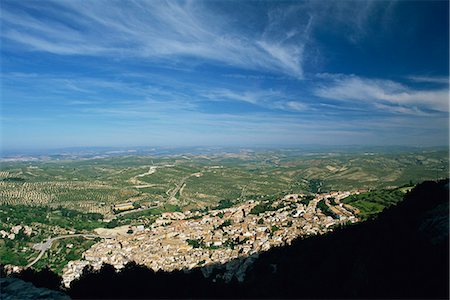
x,y
430,79
293,106
151,29
375,91
271,99
253,97
402,109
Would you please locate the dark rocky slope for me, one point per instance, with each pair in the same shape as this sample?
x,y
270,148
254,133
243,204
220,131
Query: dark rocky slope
x,y
17,289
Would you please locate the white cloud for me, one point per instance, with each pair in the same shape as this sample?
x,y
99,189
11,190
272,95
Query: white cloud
x,y
150,29
287,56
401,109
253,97
271,99
292,106
354,88
430,79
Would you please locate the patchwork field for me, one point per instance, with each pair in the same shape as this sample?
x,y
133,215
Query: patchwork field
x,y
49,197
198,181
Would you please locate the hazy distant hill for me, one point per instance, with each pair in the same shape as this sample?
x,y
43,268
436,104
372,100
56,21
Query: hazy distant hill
x,y
401,254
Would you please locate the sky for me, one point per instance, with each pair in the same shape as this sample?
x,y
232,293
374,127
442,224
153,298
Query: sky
x,y
223,73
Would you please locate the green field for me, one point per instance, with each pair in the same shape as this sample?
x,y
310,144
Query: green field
x,y
373,202
60,196
94,185
45,222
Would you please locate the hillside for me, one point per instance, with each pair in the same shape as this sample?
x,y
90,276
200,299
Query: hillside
x,y
65,195
401,254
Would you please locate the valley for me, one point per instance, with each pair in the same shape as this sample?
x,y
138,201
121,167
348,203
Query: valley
x,y
197,209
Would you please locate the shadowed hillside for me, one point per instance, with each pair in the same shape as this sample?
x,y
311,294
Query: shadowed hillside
x,y
401,254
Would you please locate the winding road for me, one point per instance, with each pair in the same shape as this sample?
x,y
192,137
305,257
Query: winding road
x,y
44,246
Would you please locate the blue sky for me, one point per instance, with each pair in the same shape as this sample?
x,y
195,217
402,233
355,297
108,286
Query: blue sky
x,y
242,73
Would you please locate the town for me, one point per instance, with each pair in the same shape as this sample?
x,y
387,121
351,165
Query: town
x,y
184,240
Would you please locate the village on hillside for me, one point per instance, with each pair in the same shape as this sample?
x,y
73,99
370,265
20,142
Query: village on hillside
x,y
184,240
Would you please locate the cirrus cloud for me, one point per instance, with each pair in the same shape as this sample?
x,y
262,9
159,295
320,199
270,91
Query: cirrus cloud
x,y
148,29
354,88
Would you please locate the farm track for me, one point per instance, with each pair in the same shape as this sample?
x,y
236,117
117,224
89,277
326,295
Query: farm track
x,y
180,185
170,195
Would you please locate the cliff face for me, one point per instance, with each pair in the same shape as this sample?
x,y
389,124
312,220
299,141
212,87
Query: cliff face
x,y
401,254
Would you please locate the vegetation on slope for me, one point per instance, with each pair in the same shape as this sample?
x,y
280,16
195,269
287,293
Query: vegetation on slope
x,y
61,217
401,254
325,209
44,222
373,202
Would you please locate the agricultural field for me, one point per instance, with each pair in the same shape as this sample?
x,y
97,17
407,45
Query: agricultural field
x,y
196,181
61,196
371,203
